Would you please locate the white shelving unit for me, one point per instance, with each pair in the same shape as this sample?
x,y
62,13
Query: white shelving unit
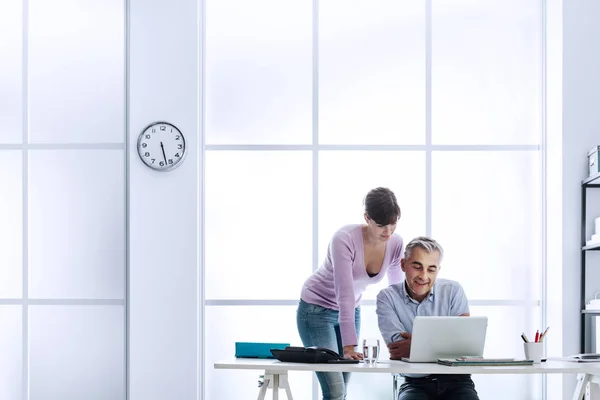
x,y
589,183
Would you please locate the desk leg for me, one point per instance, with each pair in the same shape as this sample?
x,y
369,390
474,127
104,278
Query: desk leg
x,y
582,381
264,387
394,386
593,389
285,384
274,380
275,386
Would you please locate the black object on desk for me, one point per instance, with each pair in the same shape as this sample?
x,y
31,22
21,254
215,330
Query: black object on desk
x,y
311,355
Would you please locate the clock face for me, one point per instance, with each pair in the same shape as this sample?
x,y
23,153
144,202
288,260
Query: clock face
x,y
161,146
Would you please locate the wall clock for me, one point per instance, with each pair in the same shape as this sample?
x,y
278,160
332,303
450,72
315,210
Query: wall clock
x,y
161,146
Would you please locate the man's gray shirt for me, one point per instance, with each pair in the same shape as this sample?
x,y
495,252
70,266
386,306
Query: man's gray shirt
x,y
396,310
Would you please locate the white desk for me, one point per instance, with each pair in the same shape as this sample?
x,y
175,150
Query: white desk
x,y
276,371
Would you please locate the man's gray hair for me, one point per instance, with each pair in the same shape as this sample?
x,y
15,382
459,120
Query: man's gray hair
x,y
425,243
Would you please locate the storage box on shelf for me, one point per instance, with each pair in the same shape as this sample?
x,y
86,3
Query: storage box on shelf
x,y
594,166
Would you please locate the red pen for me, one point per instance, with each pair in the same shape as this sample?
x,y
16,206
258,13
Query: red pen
x,y
537,335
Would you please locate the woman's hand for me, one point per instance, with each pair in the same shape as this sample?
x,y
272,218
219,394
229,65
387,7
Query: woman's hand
x,y
349,353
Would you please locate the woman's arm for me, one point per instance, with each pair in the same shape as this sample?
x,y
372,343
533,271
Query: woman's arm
x,y
342,257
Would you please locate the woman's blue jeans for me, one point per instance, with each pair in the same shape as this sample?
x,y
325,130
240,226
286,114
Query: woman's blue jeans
x,y
318,326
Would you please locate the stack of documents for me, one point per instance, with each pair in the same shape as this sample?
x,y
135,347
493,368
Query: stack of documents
x,y
468,361
581,358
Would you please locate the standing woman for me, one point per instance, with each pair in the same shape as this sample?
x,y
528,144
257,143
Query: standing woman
x,y
358,255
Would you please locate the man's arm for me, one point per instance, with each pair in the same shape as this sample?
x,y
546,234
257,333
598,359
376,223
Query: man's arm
x,y
391,328
401,349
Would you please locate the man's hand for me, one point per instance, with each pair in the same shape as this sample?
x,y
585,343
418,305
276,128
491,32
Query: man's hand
x,y
349,353
402,348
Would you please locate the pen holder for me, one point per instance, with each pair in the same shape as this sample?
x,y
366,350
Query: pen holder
x,y
533,351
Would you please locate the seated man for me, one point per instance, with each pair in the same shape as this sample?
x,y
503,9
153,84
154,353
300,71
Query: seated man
x,y
422,294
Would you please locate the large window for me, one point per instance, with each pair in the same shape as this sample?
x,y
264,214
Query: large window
x,y
63,214
308,105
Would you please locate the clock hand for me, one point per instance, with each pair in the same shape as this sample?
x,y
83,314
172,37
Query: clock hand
x,y
163,150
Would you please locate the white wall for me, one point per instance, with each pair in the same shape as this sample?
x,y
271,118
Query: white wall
x,y
164,284
581,131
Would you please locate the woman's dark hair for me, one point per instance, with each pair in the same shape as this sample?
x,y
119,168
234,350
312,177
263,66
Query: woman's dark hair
x,y
382,207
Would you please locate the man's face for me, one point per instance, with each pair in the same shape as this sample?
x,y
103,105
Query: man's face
x,y
421,271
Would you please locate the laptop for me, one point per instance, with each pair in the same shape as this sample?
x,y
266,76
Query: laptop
x,y
446,337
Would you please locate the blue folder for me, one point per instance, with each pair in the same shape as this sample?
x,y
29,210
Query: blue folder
x,y
257,350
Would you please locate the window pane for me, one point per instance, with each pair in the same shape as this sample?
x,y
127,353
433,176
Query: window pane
x,y
11,77
258,224
486,214
76,224
345,177
372,72
486,71
76,352
258,71
76,71
505,325
227,325
11,352
11,225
